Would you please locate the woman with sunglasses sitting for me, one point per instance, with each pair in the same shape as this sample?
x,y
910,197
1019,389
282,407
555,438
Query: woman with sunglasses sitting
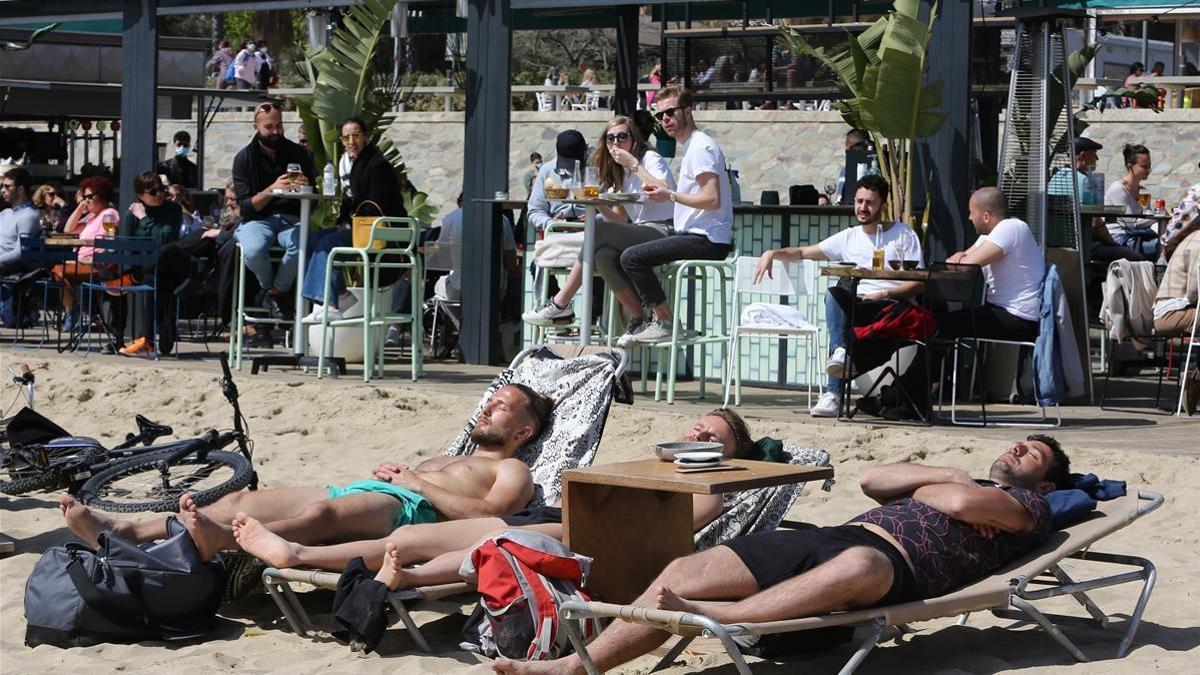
x,y
625,163
369,188
86,222
48,200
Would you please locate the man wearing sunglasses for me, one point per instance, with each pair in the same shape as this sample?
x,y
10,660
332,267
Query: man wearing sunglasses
x,y
259,169
703,216
20,219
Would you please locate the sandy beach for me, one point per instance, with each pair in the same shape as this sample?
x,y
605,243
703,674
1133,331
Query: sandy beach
x,y
311,433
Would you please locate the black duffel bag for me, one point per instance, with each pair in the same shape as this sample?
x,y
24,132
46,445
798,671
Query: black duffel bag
x,y
121,592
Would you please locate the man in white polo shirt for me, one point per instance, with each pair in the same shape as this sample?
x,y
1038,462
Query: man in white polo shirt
x,y
856,245
1013,267
703,225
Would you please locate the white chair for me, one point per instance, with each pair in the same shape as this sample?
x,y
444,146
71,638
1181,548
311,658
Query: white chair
x,y
545,102
795,280
591,101
442,257
1190,344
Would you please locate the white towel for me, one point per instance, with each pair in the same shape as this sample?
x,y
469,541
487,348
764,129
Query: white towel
x,y
767,315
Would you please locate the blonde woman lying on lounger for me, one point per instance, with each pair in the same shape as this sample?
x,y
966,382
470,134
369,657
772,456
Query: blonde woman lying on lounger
x,y
489,482
936,529
444,545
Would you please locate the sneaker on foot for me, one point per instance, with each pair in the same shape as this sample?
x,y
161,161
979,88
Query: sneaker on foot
x,y
393,337
826,406
655,331
835,365
630,336
271,302
549,314
140,348
319,312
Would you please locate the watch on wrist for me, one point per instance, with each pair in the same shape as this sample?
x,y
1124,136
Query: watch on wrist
x,y
672,195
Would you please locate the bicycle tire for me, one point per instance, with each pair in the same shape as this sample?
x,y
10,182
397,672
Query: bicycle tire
x,y
95,490
20,486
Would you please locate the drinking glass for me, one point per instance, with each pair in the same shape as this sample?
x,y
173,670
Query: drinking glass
x,y
109,221
1144,198
293,174
591,182
577,186
901,247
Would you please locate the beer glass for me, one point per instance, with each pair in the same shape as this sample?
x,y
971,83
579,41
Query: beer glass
x,y
578,190
293,174
1144,199
109,221
591,182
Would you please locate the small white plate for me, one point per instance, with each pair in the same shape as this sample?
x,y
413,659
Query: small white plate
x,y
844,264
697,457
697,465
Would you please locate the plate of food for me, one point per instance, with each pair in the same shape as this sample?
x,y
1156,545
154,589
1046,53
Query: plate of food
x,y
554,190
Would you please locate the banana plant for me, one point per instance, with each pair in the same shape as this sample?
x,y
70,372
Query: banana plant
x,y
347,81
882,73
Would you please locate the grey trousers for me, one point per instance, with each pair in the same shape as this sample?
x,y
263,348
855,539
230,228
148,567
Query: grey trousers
x,y
612,239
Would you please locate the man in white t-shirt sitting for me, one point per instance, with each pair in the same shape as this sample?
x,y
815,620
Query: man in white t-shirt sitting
x,y
856,245
703,214
448,287
1013,267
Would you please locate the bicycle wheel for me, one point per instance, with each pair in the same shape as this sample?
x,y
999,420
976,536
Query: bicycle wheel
x,y
139,485
19,485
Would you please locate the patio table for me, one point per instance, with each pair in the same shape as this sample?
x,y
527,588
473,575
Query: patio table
x,y
587,257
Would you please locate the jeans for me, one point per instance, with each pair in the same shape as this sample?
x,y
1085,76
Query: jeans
x,y
314,273
640,260
867,354
256,238
1144,241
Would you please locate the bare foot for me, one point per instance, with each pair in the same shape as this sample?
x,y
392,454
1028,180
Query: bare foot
x,y
210,536
258,541
391,572
503,665
669,600
87,524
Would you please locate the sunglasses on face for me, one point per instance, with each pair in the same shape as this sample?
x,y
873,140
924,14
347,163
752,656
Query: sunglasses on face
x,y
353,136
619,137
7,186
87,198
264,107
153,190
669,112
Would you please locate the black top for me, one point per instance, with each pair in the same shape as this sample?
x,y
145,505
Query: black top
x,y
373,178
161,222
254,170
179,170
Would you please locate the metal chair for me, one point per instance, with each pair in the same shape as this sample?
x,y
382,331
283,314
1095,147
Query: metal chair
x,y
562,333
244,314
35,251
1189,345
130,258
789,281
442,257
392,245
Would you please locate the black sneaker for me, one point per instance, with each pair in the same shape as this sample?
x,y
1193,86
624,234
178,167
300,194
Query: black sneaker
x,y
271,302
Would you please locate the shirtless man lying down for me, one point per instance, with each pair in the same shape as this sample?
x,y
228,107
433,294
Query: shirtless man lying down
x,y
490,482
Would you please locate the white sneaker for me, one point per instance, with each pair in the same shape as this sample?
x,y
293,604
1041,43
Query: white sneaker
x,y
655,331
319,312
549,314
630,337
827,406
835,365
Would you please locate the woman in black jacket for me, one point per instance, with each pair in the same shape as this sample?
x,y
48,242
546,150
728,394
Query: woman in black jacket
x,y
370,187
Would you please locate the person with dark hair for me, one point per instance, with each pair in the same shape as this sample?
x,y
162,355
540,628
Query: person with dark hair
x,y
530,175
1104,248
219,63
259,169
935,529
490,482
151,215
1136,70
179,169
702,215
856,245
86,222
369,188
1157,69
20,219
570,149
1136,234
266,66
856,139
245,66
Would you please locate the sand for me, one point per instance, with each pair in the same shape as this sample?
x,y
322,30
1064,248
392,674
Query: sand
x,y
308,432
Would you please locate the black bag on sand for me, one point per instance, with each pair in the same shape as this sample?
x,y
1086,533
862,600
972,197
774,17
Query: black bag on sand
x,y
77,597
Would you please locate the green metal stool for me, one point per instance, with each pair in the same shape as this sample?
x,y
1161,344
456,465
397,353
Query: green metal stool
x,y
243,314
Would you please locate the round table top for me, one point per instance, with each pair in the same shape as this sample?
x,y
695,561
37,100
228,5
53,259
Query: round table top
x,y
847,272
303,196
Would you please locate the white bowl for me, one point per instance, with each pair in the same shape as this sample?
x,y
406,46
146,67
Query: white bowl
x,y
704,457
667,452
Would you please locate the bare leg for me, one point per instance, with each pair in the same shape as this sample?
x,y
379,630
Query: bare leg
x,y
266,505
630,301
715,574
570,286
87,524
443,569
857,577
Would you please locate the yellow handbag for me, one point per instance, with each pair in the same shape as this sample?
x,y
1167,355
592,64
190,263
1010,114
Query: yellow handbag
x,y
361,226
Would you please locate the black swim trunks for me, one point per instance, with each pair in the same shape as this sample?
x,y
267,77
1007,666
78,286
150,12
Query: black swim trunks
x,y
538,515
776,556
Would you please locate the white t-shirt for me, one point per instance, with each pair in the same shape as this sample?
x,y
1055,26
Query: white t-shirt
x,y
451,233
856,246
1015,281
701,155
1117,195
646,210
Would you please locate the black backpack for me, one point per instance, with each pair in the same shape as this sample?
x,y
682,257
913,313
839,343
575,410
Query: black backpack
x,y
78,597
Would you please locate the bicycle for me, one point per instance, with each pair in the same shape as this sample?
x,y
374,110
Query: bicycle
x,y
127,478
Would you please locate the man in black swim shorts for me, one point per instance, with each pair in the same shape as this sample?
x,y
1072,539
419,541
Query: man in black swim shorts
x,y
936,529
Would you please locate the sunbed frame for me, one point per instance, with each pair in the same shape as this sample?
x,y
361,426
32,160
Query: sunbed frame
x,y
1007,593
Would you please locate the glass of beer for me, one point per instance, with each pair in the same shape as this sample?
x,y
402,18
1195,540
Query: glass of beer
x,y
109,221
877,259
293,174
591,182
1144,198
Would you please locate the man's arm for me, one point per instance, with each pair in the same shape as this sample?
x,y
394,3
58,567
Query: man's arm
x,y
510,492
890,482
790,253
538,207
707,199
982,253
902,290
977,505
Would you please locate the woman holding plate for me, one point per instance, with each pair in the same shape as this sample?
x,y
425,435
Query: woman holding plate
x,y
625,164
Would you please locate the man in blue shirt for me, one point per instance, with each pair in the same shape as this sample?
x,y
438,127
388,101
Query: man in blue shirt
x,y
21,219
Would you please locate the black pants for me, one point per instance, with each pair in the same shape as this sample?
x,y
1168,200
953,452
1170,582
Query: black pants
x,y
640,260
868,354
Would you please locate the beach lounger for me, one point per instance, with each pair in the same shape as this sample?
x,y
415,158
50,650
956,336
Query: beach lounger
x,y
1010,592
581,380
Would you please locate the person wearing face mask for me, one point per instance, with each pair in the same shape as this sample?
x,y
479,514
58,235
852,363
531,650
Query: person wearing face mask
x,y
179,169
259,169
530,175
266,66
245,66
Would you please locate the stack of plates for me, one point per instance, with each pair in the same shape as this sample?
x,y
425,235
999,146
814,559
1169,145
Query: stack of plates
x,y
698,460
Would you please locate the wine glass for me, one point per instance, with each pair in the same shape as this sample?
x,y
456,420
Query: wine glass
x,y
906,243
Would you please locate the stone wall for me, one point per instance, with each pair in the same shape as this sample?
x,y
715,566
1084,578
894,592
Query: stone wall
x,y
770,149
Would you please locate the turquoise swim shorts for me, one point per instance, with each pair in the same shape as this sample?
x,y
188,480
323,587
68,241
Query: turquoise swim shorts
x,y
414,508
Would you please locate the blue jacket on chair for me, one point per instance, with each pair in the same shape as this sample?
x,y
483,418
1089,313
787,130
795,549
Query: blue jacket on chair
x,y
1049,383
